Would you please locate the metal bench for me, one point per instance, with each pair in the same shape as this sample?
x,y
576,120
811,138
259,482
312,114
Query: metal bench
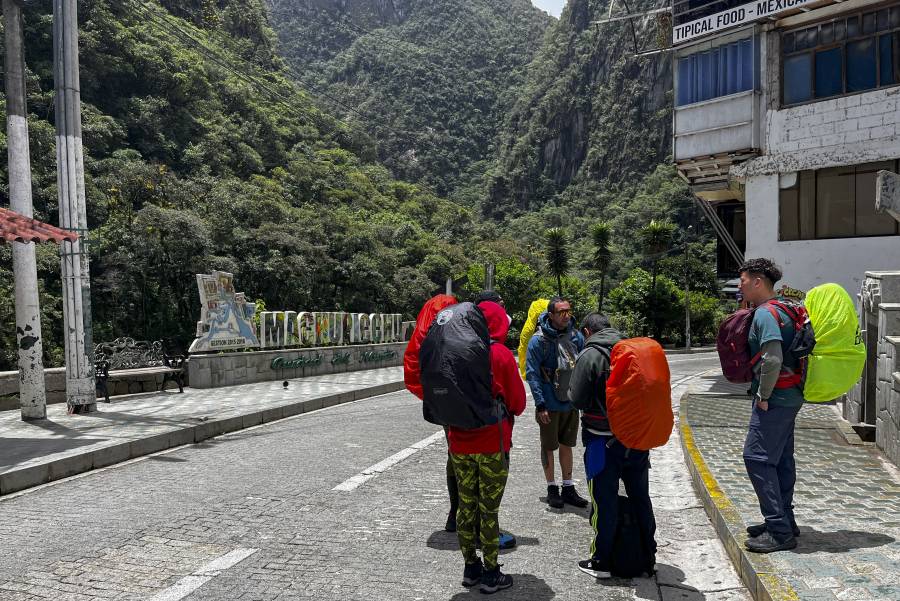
x,y
127,357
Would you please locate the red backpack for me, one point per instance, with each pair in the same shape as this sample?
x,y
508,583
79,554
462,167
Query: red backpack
x,y
733,343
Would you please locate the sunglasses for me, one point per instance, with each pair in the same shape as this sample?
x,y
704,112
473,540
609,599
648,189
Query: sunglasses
x,y
564,312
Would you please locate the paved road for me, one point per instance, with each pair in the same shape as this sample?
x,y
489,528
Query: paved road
x,y
253,515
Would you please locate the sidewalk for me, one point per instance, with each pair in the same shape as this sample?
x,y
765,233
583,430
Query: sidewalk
x,y
847,503
33,453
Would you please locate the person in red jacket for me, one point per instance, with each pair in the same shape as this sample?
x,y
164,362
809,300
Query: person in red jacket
x,y
412,378
480,460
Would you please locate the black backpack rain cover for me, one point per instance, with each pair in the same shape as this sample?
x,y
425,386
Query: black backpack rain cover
x,y
456,369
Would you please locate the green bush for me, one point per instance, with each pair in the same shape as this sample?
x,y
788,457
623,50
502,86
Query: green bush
x,y
638,311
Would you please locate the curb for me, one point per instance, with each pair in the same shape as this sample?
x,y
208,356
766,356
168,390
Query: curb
x,y
35,475
692,351
756,571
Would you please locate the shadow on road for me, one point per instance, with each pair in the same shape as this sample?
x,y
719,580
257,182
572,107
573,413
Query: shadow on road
x,y
839,541
586,512
525,587
447,541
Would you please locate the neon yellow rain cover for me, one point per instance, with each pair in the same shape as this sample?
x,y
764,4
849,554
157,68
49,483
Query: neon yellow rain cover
x,y
839,356
534,311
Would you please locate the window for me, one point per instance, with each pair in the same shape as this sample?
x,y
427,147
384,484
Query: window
x,y
844,56
834,203
720,71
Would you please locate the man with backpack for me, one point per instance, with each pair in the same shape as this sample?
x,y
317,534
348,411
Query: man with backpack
x,y
777,394
550,360
606,460
478,402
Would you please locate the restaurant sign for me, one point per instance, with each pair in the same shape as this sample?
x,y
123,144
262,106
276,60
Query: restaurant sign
x,y
739,15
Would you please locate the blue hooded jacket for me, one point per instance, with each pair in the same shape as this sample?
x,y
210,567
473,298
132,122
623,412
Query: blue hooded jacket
x,y
542,352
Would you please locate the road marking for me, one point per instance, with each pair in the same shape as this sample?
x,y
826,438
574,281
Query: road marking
x,y
384,465
189,584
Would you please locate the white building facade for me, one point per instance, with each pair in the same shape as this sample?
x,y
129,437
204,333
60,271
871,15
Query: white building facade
x,y
782,122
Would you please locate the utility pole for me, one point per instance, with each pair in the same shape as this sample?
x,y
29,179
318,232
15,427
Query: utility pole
x,y
80,389
489,269
32,393
687,290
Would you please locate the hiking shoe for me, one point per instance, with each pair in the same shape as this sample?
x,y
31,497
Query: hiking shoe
x,y
766,543
507,540
450,526
553,499
592,567
570,496
472,573
494,580
757,529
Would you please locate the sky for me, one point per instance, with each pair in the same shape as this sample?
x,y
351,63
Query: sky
x,y
554,7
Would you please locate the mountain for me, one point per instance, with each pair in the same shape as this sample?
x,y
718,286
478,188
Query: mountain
x,y
201,154
430,81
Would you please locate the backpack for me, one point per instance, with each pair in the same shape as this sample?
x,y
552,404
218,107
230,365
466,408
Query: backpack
x,y
534,311
455,368
411,370
630,556
639,394
733,343
837,361
566,356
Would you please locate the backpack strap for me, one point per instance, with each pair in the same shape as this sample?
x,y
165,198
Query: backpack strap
x,y
787,378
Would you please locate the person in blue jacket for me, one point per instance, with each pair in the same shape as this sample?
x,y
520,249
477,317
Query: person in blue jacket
x,y
548,366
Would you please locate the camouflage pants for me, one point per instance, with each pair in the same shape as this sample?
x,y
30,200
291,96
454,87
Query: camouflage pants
x,y
481,479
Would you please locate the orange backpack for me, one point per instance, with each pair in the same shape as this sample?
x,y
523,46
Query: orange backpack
x,y
639,394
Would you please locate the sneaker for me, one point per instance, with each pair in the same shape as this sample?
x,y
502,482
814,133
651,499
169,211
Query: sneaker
x,y
766,543
570,496
553,499
450,526
507,540
495,580
757,529
472,574
592,567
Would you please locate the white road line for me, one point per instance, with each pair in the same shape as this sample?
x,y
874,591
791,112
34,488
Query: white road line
x,y
189,584
382,466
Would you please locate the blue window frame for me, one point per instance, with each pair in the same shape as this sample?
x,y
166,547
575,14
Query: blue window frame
x,y
721,71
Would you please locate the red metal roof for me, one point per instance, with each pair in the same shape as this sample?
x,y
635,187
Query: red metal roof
x,y
15,227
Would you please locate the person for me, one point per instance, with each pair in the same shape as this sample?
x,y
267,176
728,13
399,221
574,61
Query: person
x,y
481,463
769,446
547,374
489,295
412,380
606,461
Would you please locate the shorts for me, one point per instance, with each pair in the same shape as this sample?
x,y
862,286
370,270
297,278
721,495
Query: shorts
x,y
562,430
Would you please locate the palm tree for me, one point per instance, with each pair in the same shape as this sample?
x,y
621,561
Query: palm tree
x,y
656,240
601,233
557,255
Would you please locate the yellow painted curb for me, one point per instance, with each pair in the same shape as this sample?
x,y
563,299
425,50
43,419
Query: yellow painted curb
x,y
756,571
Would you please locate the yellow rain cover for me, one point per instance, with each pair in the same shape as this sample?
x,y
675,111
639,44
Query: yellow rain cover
x,y
839,356
534,311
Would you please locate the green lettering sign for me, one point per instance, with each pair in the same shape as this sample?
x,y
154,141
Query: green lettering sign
x,y
297,362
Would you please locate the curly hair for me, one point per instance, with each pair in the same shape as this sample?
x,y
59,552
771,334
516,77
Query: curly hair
x,y
762,267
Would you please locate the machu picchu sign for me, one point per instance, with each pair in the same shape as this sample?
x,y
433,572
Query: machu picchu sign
x,y
227,322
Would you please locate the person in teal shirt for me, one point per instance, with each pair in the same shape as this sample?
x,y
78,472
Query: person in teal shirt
x,y
769,447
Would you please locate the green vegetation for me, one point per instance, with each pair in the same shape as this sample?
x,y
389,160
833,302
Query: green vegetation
x,y
429,80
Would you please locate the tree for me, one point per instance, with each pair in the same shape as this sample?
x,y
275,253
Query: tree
x,y
656,240
601,232
557,255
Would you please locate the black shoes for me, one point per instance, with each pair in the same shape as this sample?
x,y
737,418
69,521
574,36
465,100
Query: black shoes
x,y
494,580
592,568
472,574
450,526
758,529
766,543
570,496
553,499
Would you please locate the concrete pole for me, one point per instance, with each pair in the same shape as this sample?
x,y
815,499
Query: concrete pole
x,y
80,391
32,394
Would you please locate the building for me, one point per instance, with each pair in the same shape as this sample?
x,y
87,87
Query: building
x,y
785,110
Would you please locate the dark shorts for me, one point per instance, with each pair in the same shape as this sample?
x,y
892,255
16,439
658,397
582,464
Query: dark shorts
x,y
562,430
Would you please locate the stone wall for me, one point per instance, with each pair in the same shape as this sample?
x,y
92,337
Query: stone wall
x,y
887,422
228,369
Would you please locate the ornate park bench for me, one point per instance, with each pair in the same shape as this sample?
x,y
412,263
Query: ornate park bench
x,y
127,357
